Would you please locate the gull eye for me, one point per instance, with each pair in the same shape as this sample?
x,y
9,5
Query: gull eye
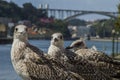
x,y
26,29
16,29
61,37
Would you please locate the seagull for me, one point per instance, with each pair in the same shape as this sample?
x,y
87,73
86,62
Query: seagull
x,y
72,61
78,44
30,63
56,49
104,62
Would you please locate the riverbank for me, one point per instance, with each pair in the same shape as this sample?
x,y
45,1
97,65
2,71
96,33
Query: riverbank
x,y
9,40
103,39
6,40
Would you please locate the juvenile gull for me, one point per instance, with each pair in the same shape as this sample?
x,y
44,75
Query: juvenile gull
x,y
78,44
72,61
90,54
56,49
30,63
104,62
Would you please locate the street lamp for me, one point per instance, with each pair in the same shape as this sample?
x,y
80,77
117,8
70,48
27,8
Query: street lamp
x,y
103,27
113,41
117,34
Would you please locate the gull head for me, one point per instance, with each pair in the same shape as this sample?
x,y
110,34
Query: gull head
x,y
78,44
20,33
57,40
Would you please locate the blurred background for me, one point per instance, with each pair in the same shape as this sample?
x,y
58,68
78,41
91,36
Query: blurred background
x,y
95,21
75,19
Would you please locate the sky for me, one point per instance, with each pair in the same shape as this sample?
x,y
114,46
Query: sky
x,y
91,5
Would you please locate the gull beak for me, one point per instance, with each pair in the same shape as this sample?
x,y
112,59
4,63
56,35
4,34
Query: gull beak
x,y
69,47
55,39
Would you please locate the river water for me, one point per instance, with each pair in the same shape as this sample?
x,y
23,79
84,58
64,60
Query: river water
x,y
7,72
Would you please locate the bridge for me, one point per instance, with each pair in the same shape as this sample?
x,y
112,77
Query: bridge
x,y
66,14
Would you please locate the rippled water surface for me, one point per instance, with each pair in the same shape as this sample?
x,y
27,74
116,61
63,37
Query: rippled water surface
x,y
7,72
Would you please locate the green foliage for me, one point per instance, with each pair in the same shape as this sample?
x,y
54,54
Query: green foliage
x,y
106,29
16,13
103,28
10,10
117,24
77,22
59,26
31,13
117,21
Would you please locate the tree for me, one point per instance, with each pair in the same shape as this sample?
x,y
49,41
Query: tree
x,y
61,26
15,11
117,22
10,10
29,12
103,28
4,8
57,26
